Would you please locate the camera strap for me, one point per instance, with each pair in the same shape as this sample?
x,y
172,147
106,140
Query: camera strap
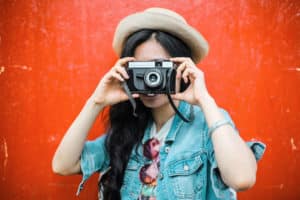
x,y
179,114
192,116
131,99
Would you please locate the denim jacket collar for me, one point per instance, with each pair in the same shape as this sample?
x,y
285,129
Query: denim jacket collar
x,y
176,124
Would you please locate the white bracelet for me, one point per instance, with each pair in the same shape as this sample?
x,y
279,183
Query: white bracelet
x,y
217,125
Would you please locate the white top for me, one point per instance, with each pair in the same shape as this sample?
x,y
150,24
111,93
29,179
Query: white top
x,y
162,133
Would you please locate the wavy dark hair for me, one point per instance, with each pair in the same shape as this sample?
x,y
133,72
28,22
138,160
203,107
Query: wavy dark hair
x,y
127,131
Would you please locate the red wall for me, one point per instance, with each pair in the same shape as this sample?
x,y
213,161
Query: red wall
x,y
53,54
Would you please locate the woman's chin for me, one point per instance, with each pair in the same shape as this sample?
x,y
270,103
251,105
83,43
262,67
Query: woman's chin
x,y
151,104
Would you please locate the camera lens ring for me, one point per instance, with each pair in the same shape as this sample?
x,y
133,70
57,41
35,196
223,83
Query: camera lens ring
x,y
153,78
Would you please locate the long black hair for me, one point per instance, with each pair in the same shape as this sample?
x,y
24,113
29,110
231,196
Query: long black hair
x,y
127,131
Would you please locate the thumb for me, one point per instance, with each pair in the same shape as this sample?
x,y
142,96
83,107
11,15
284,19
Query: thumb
x,y
178,96
135,96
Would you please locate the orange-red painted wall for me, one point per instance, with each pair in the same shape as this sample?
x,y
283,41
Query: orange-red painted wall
x,y
53,54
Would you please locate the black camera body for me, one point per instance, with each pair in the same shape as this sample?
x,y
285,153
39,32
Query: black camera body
x,y
152,77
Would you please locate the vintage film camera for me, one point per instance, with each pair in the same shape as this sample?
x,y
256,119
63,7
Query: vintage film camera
x,y
152,77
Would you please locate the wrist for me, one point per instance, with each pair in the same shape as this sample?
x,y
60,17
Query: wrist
x,y
205,99
211,110
97,99
95,105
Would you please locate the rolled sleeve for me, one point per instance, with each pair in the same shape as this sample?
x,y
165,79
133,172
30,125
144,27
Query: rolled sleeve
x,y
93,159
220,189
258,148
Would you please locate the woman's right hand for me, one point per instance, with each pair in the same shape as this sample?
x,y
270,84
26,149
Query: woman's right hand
x,y
110,91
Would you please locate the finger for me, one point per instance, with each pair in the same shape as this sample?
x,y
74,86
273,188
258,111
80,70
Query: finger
x,y
135,95
186,74
124,96
121,70
180,69
178,96
190,75
179,59
117,76
189,62
124,61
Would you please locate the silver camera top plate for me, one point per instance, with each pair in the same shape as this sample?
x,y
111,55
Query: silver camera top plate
x,y
150,64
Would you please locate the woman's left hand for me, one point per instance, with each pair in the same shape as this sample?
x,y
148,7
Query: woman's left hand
x,y
188,71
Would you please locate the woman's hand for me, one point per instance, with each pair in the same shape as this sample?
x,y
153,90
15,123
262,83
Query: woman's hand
x,y
188,71
110,91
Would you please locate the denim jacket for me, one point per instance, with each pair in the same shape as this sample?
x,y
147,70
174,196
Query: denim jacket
x,y
188,168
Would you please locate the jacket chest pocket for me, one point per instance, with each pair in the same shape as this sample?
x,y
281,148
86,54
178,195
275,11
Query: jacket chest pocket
x,y
187,176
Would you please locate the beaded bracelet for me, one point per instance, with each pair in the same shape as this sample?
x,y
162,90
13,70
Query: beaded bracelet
x,y
217,125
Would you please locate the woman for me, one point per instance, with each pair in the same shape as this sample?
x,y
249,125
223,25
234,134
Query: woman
x,y
156,155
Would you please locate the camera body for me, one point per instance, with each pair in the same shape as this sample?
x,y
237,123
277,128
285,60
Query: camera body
x,y
152,77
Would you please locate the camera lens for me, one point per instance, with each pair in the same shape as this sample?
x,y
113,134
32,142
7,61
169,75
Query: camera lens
x,y
153,78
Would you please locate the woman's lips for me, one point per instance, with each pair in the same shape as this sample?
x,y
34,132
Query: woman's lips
x,y
148,96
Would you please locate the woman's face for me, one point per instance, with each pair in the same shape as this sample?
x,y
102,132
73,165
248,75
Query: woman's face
x,y
147,51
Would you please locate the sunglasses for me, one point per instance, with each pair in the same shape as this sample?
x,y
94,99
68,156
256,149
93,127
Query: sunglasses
x,y
148,173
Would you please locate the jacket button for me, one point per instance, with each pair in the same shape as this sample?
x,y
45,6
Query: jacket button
x,y
160,176
186,167
167,149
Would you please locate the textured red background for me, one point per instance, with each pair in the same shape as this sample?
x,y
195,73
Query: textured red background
x,y
53,54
